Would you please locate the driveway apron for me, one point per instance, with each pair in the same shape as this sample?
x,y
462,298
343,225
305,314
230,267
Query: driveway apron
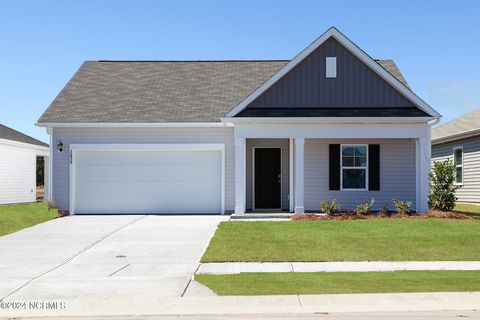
x,y
104,257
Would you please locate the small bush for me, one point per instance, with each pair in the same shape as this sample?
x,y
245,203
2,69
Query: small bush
x,y
442,190
384,209
52,205
365,208
402,207
329,207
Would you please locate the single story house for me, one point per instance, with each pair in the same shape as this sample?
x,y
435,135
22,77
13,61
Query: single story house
x,y
459,141
166,137
18,165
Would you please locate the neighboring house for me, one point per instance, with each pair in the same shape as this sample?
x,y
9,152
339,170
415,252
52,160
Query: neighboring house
x,y
222,136
459,141
18,165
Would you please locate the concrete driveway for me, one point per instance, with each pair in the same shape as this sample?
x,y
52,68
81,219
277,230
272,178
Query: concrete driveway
x,y
103,257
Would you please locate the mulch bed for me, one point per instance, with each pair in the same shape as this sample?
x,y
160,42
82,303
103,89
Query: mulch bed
x,y
351,215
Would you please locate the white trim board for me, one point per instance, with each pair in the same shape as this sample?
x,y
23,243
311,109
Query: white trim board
x,y
353,48
144,147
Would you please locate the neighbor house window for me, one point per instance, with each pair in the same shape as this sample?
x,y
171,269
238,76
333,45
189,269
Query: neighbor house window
x,y
354,167
458,162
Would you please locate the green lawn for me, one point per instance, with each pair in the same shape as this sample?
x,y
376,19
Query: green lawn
x,y
20,216
358,240
341,282
470,209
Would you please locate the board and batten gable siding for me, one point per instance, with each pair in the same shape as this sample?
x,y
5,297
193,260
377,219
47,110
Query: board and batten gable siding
x,y
138,135
397,174
265,143
470,190
17,174
356,85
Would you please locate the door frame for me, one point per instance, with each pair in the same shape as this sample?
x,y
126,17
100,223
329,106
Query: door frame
x,y
75,147
253,176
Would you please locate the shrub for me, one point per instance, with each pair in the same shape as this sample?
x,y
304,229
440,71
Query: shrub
x,y
365,208
402,207
52,205
384,209
442,190
329,207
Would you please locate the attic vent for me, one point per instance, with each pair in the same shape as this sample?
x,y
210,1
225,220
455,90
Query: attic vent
x,y
331,69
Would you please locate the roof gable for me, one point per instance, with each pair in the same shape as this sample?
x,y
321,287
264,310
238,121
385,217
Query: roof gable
x,y
355,86
274,92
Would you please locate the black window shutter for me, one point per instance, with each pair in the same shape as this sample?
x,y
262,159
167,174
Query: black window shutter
x,y
334,166
374,167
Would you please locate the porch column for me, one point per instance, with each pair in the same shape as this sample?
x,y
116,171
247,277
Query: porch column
x,y
299,175
240,175
423,155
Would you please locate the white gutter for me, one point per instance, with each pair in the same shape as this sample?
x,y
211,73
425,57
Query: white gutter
x,y
130,125
24,145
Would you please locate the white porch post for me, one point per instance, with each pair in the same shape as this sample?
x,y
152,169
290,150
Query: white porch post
x,y
240,175
299,175
423,155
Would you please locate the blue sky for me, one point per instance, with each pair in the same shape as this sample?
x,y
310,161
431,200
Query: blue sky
x,y
42,43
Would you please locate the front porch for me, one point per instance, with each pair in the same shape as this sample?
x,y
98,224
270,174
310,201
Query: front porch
x,y
276,173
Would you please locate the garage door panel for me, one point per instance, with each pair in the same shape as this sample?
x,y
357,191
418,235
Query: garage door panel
x,y
147,173
148,182
149,206
146,189
155,158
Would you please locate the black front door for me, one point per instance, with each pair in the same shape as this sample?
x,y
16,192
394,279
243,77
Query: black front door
x,y
267,178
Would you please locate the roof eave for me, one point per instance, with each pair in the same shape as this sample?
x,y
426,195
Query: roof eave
x,y
455,137
129,124
324,120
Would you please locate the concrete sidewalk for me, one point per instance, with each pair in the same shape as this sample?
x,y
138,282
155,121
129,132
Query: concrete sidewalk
x,y
303,304
362,266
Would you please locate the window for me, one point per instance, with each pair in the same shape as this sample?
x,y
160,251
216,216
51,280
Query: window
x,y
331,67
354,167
458,162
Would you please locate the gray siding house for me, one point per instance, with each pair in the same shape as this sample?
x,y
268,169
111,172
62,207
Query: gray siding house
x,y
165,137
459,141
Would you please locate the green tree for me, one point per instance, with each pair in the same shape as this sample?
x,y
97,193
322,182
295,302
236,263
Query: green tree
x,y
442,189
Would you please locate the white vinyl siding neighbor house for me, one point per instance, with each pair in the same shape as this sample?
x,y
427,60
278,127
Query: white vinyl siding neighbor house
x,y
216,137
459,141
18,163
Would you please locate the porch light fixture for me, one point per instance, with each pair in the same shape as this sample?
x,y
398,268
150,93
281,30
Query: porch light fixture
x,y
60,146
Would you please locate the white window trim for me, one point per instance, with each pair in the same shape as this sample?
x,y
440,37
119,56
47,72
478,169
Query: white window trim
x,y
458,165
342,167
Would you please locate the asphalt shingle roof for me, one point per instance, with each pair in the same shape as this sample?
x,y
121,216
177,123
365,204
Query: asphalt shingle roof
x,y
466,123
162,91
14,135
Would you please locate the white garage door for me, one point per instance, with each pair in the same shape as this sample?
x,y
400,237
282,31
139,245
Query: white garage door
x,y
147,181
